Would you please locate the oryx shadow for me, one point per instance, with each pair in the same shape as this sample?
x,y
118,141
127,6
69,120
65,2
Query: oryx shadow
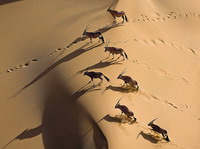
x,y
101,64
112,119
102,30
106,118
119,119
2,2
30,133
67,58
26,134
148,137
83,90
119,89
113,59
110,26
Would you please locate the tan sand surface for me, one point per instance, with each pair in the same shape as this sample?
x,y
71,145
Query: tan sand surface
x,y
47,103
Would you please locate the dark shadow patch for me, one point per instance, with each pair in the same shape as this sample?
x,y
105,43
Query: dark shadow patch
x,y
75,96
62,119
149,137
119,119
83,90
26,134
30,133
112,119
91,128
99,138
3,2
99,65
102,30
120,89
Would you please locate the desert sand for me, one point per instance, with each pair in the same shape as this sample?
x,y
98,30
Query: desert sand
x,y
47,103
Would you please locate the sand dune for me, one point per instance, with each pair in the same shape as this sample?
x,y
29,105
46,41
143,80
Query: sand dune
x,y
47,103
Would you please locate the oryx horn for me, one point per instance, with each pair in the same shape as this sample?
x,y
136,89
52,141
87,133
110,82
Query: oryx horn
x,y
124,71
118,101
152,121
107,42
111,6
86,28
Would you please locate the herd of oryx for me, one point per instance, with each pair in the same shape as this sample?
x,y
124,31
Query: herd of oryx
x,y
128,81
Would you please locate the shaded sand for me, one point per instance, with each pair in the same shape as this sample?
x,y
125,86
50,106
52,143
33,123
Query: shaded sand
x,y
47,103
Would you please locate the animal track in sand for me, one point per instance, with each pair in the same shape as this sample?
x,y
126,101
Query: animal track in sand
x,y
160,71
167,43
158,41
142,41
79,39
29,62
155,42
169,16
151,42
196,117
164,101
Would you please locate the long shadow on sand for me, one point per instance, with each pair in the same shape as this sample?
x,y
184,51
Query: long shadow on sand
x,y
148,137
69,57
26,134
108,118
112,119
83,90
119,119
102,30
3,2
119,89
101,64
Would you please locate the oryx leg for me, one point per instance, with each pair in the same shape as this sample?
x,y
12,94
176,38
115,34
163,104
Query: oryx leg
x,y
123,19
124,84
101,79
109,55
123,56
113,55
114,19
99,40
90,39
136,87
119,57
164,135
129,116
92,80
